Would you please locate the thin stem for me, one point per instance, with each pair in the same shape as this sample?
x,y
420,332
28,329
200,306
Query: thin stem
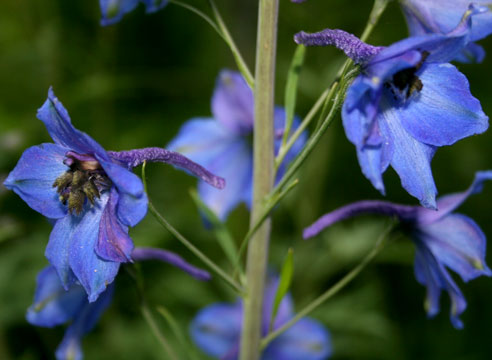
x,y
204,258
157,333
333,290
263,176
241,64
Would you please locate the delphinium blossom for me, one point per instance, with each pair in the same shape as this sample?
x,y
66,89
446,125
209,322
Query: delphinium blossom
x,y
216,330
406,102
443,240
90,194
442,16
223,144
114,10
54,305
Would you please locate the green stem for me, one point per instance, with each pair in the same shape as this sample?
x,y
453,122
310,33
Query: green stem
x,y
157,333
263,176
333,290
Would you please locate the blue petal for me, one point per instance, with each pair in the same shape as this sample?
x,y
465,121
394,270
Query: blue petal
x,y
52,304
457,242
154,5
411,158
113,10
233,102
61,130
306,340
84,321
448,203
202,140
113,243
472,53
433,275
235,164
217,328
444,111
33,177
93,272
132,205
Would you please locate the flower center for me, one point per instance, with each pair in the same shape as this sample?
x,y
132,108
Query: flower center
x,y
84,180
406,82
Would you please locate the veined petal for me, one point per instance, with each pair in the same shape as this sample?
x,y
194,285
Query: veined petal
x,y
306,340
154,5
434,276
235,165
33,177
233,102
113,10
411,158
444,111
217,328
457,242
61,130
53,305
448,203
93,272
202,140
114,243
84,321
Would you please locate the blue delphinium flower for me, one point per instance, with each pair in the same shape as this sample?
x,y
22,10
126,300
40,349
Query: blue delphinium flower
x,y
407,102
54,305
443,239
90,194
442,16
217,328
114,10
223,143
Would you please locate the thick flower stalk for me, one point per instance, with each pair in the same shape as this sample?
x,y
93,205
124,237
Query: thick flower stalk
x,y
407,102
443,240
91,195
442,16
114,10
223,143
216,330
54,305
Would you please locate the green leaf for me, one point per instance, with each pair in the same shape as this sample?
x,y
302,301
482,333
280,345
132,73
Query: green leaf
x,y
221,232
291,89
284,283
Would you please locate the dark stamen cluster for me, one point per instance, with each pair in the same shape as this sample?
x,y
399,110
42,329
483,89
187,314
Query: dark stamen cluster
x,y
406,81
83,180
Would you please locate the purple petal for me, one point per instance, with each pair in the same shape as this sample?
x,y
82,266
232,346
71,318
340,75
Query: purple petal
x,y
61,130
154,5
235,165
133,158
448,203
113,243
217,328
406,213
411,158
53,305
306,340
33,177
444,87
142,254
457,242
233,103
351,45
471,54
93,272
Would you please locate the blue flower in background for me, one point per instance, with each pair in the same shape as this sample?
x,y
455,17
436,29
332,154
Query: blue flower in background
x,y
54,305
90,194
442,16
443,240
407,102
217,328
223,143
114,10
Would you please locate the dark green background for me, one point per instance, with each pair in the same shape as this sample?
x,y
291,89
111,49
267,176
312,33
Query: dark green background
x,y
133,85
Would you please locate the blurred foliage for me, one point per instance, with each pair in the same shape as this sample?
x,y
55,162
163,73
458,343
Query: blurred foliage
x,y
133,85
